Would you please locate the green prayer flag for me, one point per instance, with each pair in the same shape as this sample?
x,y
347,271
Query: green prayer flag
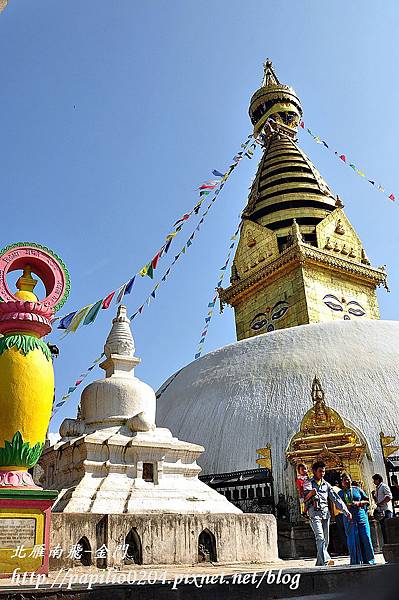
x,y
150,271
93,312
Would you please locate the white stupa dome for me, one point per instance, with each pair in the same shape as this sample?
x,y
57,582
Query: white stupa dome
x,y
256,391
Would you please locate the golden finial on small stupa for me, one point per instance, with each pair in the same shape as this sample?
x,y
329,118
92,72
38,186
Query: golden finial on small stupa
x,y
26,285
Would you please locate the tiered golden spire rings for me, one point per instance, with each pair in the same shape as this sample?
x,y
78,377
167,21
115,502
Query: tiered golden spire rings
x,y
275,100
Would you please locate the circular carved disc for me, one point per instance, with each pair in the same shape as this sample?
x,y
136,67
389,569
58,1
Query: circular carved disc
x,y
44,263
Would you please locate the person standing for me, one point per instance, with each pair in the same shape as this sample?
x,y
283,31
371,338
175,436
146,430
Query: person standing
x,y
317,492
358,530
339,519
383,498
302,476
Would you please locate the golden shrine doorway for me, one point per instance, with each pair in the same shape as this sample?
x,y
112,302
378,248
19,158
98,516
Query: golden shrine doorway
x,y
323,435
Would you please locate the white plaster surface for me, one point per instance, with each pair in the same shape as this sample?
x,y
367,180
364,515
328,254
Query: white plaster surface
x,y
256,391
99,465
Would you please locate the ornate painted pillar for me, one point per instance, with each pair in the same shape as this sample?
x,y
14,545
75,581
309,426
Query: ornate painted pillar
x,y
26,398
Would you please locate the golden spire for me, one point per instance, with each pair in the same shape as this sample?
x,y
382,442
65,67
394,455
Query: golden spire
x,y
26,284
269,76
274,102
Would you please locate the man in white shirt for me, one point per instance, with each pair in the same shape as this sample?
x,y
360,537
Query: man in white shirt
x,y
317,492
383,498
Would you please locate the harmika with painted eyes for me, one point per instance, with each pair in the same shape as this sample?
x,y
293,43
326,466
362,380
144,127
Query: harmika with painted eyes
x,y
269,317
348,308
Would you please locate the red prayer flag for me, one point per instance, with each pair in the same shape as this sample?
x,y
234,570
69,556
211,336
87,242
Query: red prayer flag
x,y
343,157
154,261
107,301
391,197
302,124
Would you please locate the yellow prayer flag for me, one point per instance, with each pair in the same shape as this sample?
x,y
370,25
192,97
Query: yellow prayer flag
x,y
78,318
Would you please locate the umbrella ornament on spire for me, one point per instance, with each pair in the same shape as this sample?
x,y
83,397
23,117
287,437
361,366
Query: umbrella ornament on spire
x,y
26,370
274,106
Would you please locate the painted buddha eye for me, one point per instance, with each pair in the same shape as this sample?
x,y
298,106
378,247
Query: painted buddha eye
x,y
279,310
355,309
259,322
333,302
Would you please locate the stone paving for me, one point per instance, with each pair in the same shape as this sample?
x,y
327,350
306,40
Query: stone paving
x,y
171,572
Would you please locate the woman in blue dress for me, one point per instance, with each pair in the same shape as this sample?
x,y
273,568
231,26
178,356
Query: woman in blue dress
x,y
358,529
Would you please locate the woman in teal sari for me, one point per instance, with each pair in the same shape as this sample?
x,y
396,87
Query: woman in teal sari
x,y
358,529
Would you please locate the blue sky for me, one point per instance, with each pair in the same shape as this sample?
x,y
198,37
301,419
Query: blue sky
x,y
112,113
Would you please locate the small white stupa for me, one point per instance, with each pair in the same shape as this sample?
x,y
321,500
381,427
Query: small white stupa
x,y
113,459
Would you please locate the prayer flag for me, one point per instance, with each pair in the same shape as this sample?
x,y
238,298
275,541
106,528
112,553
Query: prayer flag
x,y
381,188
211,304
372,182
167,246
302,124
121,293
207,319
107,301
360,173
153,293
391,197
155,260
141,309
170,236
343,157
183,218
189,243
197,355
143,271
93,312
66,321
352,166
129,286
91,368
78,318
217,173
326,145
71,389
150,271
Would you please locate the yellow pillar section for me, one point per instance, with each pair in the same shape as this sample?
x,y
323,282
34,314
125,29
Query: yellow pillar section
x,y
26,395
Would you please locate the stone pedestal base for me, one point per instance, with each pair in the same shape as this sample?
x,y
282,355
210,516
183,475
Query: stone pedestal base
x,y
160,539
24,530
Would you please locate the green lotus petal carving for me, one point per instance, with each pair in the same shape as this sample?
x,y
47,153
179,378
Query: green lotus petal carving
x,y
24,343
19,453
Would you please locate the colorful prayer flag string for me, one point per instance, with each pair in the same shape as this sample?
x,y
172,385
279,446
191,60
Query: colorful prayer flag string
x,y
231,168
344,159
72,388
89,313
211,304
